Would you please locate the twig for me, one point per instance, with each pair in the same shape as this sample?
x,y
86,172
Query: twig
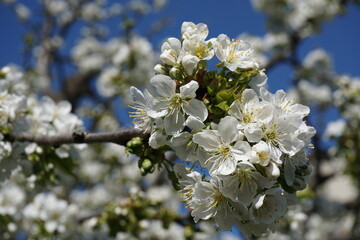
x,y
120,137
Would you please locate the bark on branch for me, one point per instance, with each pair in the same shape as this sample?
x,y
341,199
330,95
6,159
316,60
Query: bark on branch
x,y
120,137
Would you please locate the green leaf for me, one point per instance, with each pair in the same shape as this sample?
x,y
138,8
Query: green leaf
x,y
223,105
225,95
203,64
211,89
220,65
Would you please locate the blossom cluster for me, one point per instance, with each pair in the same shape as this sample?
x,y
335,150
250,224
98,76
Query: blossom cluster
x,y
250,143
23,112
304,17
89,11
34,205
117,203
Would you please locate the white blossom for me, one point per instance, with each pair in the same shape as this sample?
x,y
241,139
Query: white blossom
x,y
223,146
198,47
234,54
56,214
174,105
189,63
190,29
210,202
248,109
141,105
12,199
243,184
170,51
270,206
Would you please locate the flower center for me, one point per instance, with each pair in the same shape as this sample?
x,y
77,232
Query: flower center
x,y
263,155
175,102
224,150
200,51
271,135
244,176
218,197
246,118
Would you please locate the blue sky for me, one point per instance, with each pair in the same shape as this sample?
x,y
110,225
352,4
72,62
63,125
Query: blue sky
x,y
340,37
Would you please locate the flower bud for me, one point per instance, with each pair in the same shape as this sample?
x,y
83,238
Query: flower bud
x,y
188,232
134,146
168,57
272,171
160,69
146,164
134,142
189,63
175,74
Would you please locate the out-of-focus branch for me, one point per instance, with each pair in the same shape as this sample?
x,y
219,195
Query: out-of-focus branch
x,y
76,86
290,57
120,137
274,61
65,28
46,56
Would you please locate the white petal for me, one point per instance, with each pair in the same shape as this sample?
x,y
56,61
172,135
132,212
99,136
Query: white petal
x,y
64,106
181,139
247,192
272,171
157,139
164,85
253,132
246,165
171,43
262,181
289,171
194,123
264,115
275,154
250,95
228,130
261,147
242,151
266,95
174,123
51,226
137,95
259,201
167,57
258,82
227,167
189,62
62,152
208,139
189,89
196,108
290,144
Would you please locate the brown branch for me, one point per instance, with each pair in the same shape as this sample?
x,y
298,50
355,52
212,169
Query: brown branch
x,y
120,137
76,86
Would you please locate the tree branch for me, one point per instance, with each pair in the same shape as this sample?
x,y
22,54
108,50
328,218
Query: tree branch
x,y
120,137
77,85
